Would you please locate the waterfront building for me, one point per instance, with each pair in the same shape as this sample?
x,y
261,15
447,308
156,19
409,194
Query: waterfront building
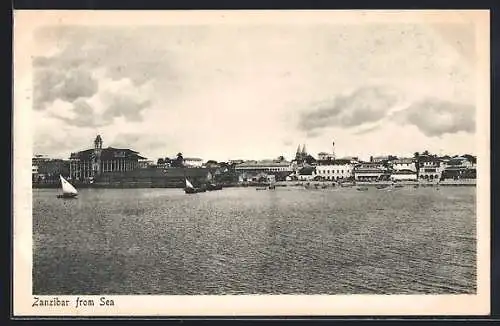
x,y
430,167
90,163
334,169
404,175
153,177
306,173
372,171
249,170
459,168
47,170
264,166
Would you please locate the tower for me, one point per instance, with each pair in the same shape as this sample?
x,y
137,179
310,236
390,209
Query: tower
x,y
96,162
333,150
298,155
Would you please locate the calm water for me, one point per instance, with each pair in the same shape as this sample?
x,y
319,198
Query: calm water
x,y
235,241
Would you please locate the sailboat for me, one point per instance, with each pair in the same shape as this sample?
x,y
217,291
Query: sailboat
x,y
68,191
190,189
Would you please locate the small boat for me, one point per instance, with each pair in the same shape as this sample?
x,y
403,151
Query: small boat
x,y
261,188
347,184
398,186
381,186
362,188
272,187
213,186
68,191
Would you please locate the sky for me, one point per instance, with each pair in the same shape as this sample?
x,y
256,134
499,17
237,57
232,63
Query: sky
x,y
256,91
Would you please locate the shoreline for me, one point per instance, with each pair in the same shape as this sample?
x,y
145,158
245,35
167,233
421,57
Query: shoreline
x,y
328,184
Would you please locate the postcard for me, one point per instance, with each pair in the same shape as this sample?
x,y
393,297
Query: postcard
x,y
251,163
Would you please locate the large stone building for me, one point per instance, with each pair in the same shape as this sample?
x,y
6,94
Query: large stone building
x,y
90,163
334,169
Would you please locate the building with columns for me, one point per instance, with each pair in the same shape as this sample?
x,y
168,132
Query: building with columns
x,y
90,163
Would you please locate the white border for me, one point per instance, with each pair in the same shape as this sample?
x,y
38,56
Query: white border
x,y
25,22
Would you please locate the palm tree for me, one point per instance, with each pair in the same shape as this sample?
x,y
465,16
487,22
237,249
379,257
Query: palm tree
x,y
179,161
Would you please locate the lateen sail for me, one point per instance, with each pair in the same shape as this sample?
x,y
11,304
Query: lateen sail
x,y
188,184
67,187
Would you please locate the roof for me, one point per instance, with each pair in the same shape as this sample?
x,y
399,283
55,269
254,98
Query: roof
x,y
404,161
307,170
108,153
367,170
405,171
261,164
192,159
333,162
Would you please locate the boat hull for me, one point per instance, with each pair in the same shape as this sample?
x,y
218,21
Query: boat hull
x,y
193,190
212,187
67,196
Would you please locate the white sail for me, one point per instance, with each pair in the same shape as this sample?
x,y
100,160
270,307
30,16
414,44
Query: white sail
x,y
67,187
188,184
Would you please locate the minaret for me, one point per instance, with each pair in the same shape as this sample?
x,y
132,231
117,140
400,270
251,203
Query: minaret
x,y
333,150
97,155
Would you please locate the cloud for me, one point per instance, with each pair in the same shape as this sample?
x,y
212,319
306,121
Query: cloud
x,y
51,84
114,99
367,130
435,117
366,104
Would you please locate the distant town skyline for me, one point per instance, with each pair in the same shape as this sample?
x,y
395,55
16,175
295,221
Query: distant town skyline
x,y
256,91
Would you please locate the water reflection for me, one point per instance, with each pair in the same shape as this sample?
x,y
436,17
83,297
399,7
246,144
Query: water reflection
x,y
161,241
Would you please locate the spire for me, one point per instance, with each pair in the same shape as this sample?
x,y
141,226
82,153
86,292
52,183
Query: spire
x,y
304,149
298,149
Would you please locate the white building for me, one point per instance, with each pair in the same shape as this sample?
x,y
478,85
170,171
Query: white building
x,y
404,175
193,162
334,171
404,164
430,169
264,166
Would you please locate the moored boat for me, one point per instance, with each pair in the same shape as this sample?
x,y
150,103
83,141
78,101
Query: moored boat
x,y
213,186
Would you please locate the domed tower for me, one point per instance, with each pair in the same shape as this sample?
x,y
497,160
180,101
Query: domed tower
x,y
97,155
